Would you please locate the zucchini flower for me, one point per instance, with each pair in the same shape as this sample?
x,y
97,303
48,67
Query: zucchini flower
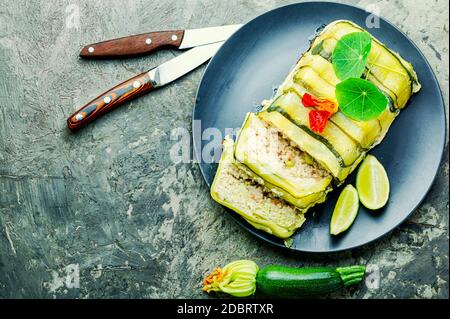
x,y
238,279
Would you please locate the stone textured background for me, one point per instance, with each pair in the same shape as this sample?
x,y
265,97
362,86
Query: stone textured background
x,y
109,202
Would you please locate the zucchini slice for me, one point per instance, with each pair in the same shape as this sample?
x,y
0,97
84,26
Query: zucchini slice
x,y
236,190
263,149
303,203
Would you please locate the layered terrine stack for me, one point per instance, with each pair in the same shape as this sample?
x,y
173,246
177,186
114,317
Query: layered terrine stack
x,y
278,167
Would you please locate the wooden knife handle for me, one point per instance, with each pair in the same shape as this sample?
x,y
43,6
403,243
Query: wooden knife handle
x,y
118,95
134,45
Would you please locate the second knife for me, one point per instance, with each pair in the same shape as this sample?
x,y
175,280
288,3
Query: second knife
x,y
146,43
142,84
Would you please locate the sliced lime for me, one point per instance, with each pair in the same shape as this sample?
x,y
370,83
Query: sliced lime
x,y
372,183
345,210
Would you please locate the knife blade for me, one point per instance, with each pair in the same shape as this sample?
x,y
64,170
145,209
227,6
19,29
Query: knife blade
x,y
196,37
142,84
182,64
146,43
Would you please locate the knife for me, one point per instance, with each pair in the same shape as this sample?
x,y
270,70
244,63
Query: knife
x,y
147,43
142,84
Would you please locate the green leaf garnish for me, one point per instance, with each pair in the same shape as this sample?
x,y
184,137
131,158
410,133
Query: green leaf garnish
x,y
350,55
360,100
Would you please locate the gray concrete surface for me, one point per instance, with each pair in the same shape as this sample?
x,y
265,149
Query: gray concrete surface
x,y
105,214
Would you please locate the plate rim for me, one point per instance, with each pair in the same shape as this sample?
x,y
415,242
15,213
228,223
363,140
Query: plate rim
x,y
253,231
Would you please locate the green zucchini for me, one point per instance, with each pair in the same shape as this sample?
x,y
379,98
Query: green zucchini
x,y
243,278
282,281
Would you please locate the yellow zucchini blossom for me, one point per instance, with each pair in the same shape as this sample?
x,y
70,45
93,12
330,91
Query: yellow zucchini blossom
x,y
238,279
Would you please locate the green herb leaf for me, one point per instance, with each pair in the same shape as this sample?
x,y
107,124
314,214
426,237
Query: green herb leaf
x,y
360,100
350,55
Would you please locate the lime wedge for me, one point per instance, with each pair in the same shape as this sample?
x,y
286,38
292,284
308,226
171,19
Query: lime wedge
x,y
345,211
372,183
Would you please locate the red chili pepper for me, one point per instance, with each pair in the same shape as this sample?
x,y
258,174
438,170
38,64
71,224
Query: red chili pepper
x,y
318,119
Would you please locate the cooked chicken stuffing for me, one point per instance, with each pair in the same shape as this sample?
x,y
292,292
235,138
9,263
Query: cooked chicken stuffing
x,y
270,148
255,202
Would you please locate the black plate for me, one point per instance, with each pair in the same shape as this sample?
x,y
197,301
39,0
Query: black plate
x,y
257,58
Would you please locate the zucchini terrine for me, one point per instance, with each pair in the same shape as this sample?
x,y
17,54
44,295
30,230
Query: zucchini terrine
x,y
279,167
